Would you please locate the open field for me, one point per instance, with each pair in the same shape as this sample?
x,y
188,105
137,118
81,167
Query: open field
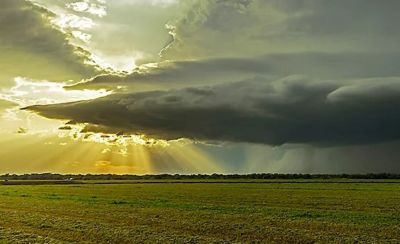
x,y
222,212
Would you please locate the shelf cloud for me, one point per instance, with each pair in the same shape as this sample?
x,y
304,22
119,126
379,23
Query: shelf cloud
x,y
294,109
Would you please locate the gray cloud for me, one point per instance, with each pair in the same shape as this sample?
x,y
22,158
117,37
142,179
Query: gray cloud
x,y
210,71
31,46
290,110
215,28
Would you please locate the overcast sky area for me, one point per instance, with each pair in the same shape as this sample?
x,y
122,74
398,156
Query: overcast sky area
x,y
199,86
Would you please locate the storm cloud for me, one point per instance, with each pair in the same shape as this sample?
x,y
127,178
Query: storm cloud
x,y
306,86
215,41
294,109
272,72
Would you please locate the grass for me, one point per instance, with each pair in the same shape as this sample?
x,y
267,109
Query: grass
x,y
222,212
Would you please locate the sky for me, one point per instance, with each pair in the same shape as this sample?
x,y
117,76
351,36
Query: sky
x,y
199,86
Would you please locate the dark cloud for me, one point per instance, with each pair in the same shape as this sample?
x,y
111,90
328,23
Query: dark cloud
x,y
210,71
290,110
351,98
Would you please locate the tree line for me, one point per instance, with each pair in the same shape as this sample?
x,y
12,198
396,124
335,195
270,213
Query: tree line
x,y
51,176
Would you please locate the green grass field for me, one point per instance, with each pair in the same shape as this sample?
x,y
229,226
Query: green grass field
x,y
254,212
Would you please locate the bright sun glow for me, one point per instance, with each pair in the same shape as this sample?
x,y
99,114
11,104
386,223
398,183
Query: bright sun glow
x,y
87,7
28,92
76,133
68,20
114,63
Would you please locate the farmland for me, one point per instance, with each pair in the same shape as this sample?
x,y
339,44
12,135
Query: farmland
x,y
200,212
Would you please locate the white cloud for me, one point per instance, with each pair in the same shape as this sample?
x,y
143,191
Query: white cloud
x,y
88,7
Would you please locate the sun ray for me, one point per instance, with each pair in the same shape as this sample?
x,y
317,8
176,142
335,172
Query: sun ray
x,y
139,158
